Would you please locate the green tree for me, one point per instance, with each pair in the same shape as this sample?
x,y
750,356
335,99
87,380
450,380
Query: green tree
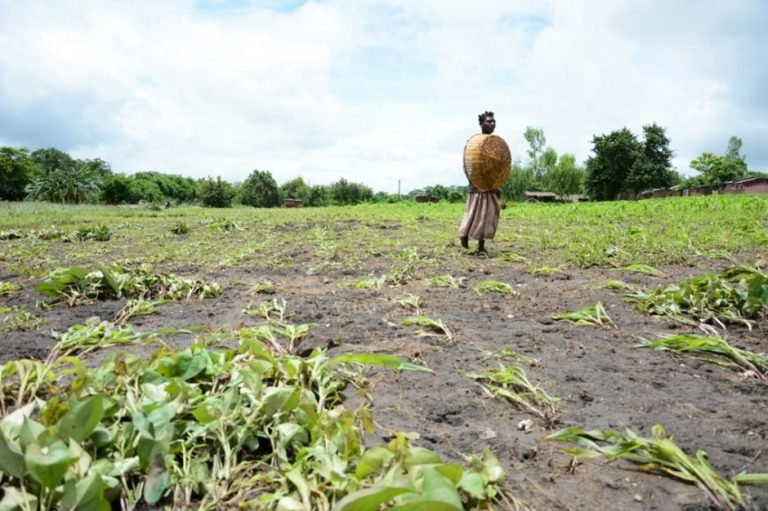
x,y
567,178
260,190
16,170
51,159
521,178
117,190
536,142
548,162
296,189
216,193
73,185
607,170
733,152
717,170
98,167
342,192
170,186
653,169
318,196
437,192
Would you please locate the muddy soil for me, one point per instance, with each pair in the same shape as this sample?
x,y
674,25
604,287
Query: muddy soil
x,y
600,377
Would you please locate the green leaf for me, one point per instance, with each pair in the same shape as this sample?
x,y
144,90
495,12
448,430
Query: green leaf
x,y
474,485
189,365
47,465
111,281
208,411
438,488
158,480
80,421
372,461
420,456
280,399
11,458
30,431
377,359
745,478
424,504
290,504
16,500
59,282
370,499
84,495
451,471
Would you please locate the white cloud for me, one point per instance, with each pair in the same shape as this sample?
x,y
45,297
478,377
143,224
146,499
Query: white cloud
x,y
372,91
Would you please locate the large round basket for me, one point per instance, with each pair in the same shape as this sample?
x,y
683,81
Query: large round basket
x,y
487,162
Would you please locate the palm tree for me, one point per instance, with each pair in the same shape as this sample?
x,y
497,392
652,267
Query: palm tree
x,y
73,185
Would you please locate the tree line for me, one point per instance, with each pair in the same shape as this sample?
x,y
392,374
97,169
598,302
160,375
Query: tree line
x,y
621,165
53,175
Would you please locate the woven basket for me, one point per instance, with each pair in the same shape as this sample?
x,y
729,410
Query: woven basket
x,y
487,162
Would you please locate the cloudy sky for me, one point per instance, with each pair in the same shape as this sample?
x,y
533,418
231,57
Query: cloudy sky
x,y
375,91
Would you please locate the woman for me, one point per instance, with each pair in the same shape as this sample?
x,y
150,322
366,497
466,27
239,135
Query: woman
x,y
481,216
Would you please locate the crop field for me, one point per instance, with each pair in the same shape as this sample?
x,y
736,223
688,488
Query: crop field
x,y
602,356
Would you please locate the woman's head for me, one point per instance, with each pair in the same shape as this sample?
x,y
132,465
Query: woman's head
x,y
487,122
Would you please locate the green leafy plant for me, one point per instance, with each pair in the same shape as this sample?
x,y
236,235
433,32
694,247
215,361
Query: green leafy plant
x,y
90,336
644,268
8,288
444,281
432,326
713,349
266,287
613,284
737,294
405,268
180,228
226,225
512,257
252,426
509,353
511,383
368,282
137,307
659,455
594,315
494,286
75,285
18,319
270,309
412,302
90,232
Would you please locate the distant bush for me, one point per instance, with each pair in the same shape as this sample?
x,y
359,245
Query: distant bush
x,y
216,193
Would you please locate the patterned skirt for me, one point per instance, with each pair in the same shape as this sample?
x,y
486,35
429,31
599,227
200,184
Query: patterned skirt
x,y
481,216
